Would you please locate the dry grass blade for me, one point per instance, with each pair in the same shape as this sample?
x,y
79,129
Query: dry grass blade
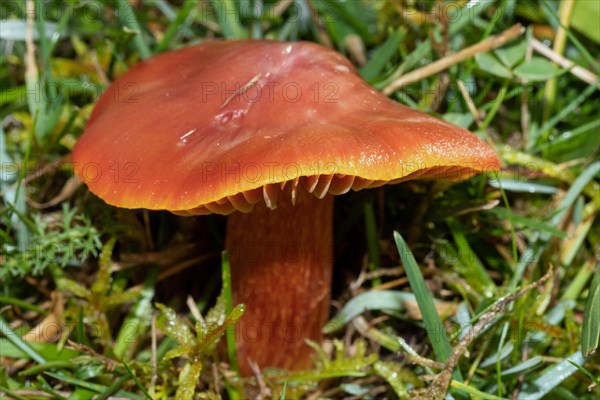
x,y
51,326
446,62
67,191
265,392
576,70
470,104
31,70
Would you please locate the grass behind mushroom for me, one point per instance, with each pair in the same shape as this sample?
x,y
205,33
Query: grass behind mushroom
x,y
470,240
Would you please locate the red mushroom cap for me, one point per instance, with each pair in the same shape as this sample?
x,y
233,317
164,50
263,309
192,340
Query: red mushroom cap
x,y
223,125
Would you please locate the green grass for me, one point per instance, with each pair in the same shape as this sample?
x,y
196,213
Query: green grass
x,y
455,295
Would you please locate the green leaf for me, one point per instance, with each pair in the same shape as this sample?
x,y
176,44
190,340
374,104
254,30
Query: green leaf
x,y
511,55
590,332
537,69
489,63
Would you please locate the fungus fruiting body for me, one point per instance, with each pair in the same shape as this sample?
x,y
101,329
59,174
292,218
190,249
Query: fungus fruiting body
x,y
268,132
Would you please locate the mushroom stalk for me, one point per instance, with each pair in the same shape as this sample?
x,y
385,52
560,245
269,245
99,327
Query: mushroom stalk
x,y
281,263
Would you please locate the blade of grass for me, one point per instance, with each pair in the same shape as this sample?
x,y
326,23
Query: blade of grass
x,y
584,52
372,240
580,280
545,130
282,397
256,26
476,272
230,335
137,381
587,373
163,6
11,393
382,56
525,366
138,321
495,106
590,331
112,389
519,186
528,222
342,11
472,391
12,95
228,19
128,18
46,366
572,245
22,304
433,324
35,100
500,355
91,386
80,329
19,343
377,336
317,376
48,351
372,300
175,26
14,198
553,377
565,10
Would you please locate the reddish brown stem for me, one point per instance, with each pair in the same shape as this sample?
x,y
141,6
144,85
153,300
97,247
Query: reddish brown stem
x,y
281,263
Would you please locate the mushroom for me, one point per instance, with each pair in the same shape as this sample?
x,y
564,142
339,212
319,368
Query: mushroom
x,y
268,132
